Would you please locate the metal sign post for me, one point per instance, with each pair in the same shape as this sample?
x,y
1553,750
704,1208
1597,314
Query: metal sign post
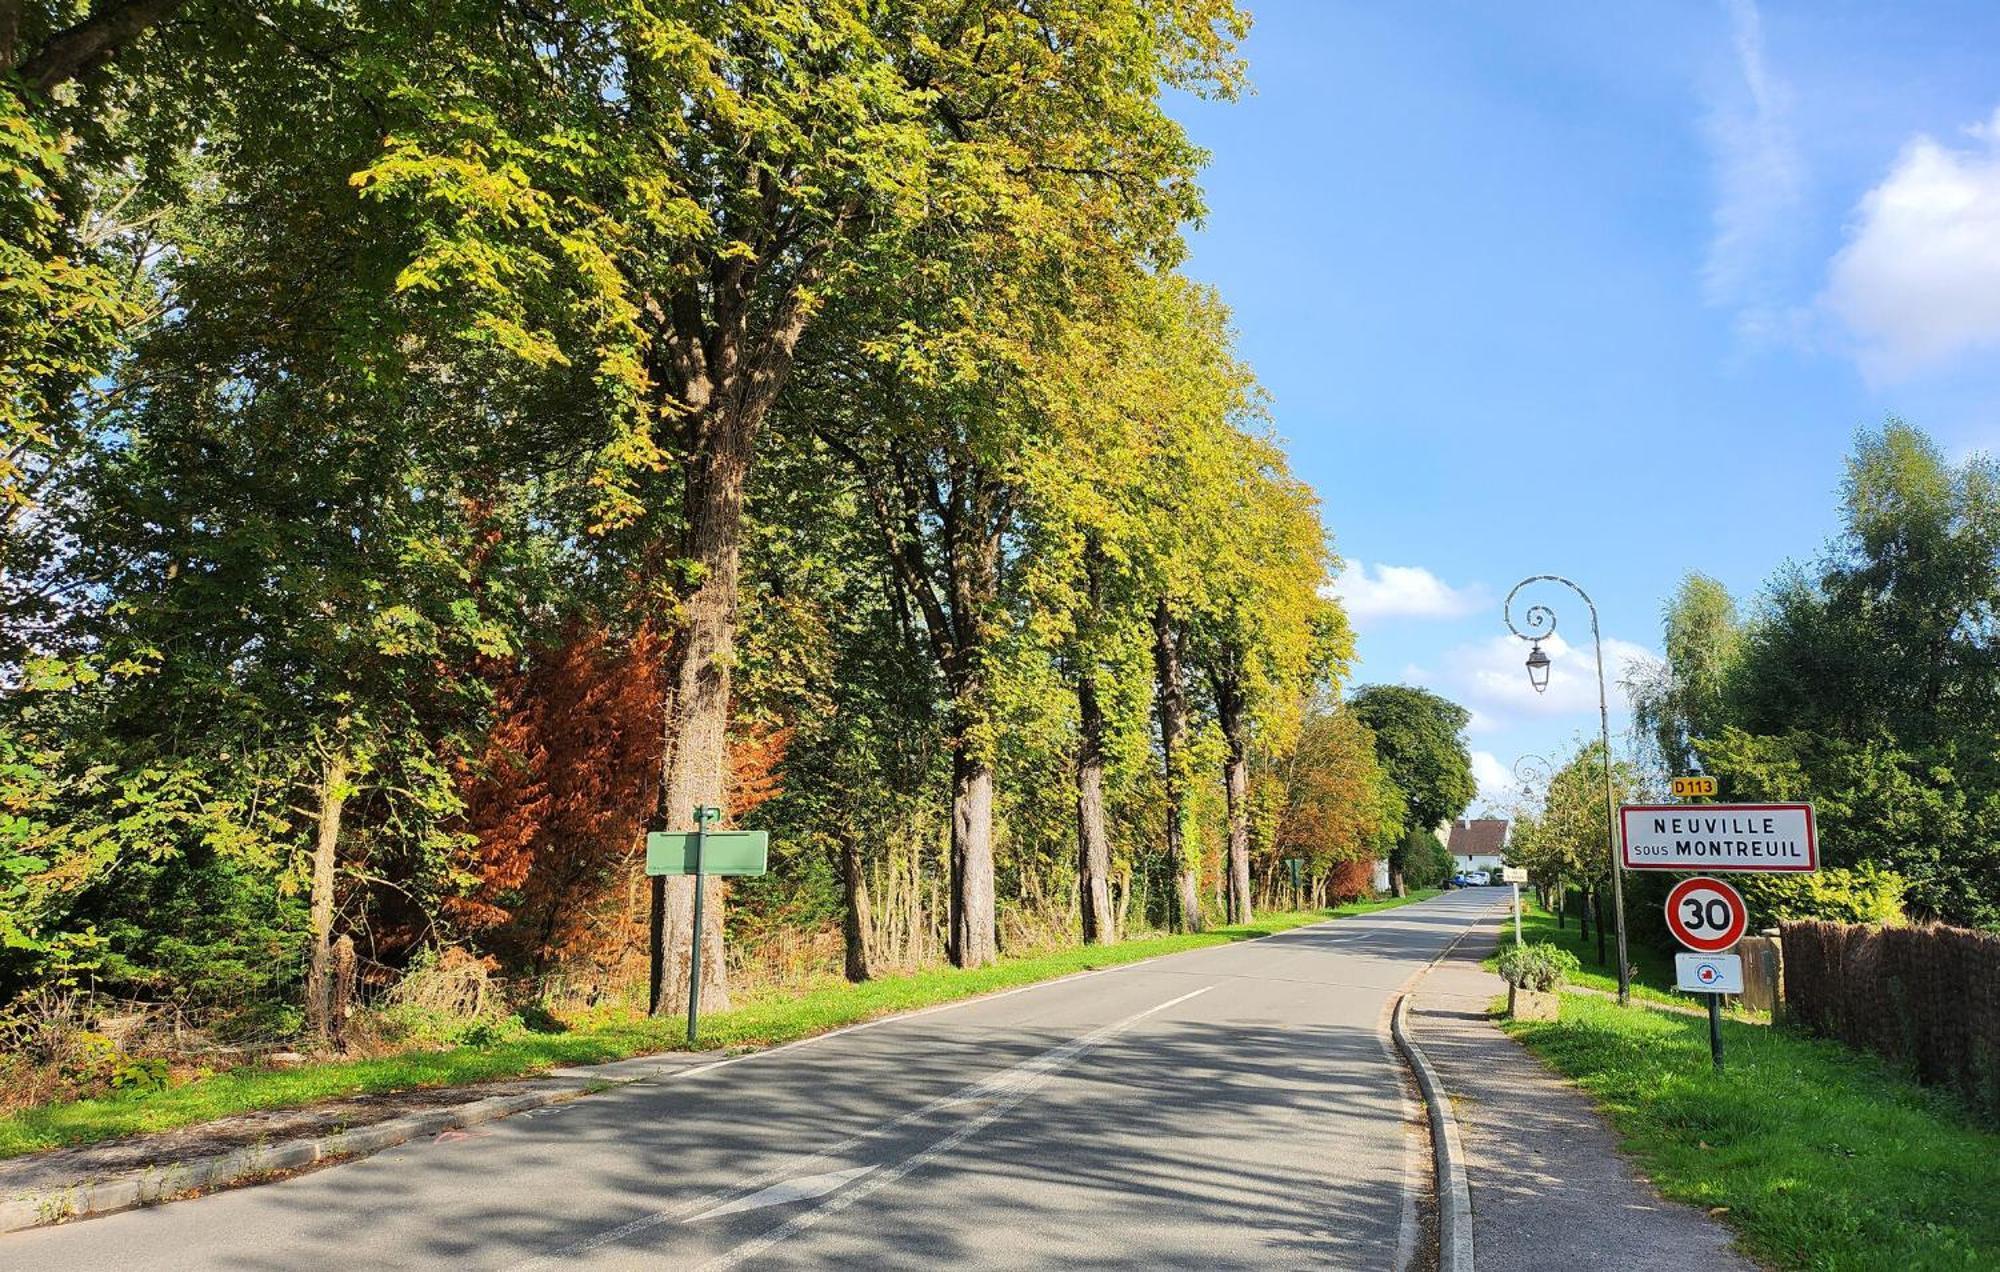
x,y
1711,976
1709,917
702,817
698,854
1516,875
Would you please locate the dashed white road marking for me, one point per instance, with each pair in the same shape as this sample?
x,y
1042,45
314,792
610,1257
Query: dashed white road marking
x,y
803,1188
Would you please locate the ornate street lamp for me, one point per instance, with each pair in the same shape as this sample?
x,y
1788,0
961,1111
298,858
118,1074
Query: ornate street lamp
x,y
1538,668
1540,622
1531,770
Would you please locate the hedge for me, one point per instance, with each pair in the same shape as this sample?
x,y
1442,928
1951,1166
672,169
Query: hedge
x,y
1927,996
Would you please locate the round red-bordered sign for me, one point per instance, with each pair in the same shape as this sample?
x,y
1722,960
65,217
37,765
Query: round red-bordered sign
x,y
1706,915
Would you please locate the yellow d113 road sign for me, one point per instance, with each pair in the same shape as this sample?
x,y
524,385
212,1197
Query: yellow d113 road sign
x,y
1685,787
723,852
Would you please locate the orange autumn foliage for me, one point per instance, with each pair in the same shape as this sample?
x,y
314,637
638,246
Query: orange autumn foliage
x,y
559,800
560,797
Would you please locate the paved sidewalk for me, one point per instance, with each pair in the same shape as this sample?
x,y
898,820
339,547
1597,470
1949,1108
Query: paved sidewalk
x,y
1549,1187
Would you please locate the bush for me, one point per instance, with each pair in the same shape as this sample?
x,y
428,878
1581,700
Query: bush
x,y
1540,967
447,997
1865,894
1426,863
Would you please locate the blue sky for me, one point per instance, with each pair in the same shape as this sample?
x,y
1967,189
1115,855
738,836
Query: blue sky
x,y
1599,290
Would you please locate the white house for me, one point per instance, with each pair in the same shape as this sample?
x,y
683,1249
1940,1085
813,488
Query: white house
x,y
1479,843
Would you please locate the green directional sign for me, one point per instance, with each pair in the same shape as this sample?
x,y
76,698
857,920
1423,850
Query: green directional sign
x,y
723,852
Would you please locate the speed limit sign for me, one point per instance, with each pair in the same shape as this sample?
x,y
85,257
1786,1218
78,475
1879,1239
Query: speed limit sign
x,y
1706,915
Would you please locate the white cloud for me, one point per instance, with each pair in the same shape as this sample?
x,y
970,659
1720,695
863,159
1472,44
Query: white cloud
x,y
1918,282
1759,179
1401,591
1497,788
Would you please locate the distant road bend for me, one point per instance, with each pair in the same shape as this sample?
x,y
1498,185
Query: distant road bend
x,y
1230,1108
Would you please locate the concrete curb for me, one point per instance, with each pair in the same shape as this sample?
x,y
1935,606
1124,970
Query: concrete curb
x,y
1454,1190
153,1184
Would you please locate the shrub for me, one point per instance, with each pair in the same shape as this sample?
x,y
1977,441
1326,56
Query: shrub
x,y
1864,894
446,997
1540,967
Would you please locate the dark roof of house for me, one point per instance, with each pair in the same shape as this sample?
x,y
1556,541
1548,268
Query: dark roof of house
x,y
1479,836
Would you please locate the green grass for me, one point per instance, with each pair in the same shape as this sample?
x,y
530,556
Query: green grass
x,y
1653,970
1824,1158
757,1023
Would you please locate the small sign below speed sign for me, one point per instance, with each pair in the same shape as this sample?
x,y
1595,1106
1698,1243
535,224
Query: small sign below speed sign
x,y
1706,915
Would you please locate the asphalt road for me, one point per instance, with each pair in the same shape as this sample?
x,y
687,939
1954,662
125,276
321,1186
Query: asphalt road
x,y
1232,1107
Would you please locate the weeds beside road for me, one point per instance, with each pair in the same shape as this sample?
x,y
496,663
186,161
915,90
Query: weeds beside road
x,y
760,1023
1818,1156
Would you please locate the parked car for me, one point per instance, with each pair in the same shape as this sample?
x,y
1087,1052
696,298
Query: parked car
x,y
1478,879
1458,880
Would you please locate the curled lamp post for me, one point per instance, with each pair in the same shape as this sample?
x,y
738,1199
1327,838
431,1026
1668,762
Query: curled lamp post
x,y
1530,769
1540,622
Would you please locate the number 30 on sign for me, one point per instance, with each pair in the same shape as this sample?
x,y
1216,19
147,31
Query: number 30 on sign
x,y
1706,915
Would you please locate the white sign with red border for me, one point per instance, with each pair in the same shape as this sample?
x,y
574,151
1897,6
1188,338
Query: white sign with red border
x,y
1706,915
1766,837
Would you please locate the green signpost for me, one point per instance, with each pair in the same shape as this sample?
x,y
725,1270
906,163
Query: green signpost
x,y
698,853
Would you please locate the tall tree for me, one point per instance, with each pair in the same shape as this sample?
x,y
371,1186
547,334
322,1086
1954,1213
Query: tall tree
x,y
1420,737
1685,697
1872,686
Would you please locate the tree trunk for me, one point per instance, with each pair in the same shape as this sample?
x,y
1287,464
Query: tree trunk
x,y
319,975
972,942
721,374
341,991
1124,903
1597,904
857,923
1236,787
1093,845
1173,711
699,661
721,436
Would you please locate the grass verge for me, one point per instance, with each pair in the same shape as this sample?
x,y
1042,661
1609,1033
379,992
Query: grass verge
x,y
760,1023
1652,969
1818,1156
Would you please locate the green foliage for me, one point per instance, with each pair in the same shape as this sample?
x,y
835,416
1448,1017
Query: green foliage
x,y
1867,686
1540,966
351,359
1420,737
1685,698
1567,840
1426,862
1862,894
